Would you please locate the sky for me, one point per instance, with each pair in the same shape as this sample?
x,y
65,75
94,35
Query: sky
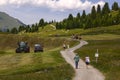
x,y
31,11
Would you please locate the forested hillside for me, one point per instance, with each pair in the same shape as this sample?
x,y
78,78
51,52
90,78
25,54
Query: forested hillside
x,y
99,17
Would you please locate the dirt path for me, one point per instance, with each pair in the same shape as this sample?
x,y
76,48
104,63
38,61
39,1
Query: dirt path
x,y
82,73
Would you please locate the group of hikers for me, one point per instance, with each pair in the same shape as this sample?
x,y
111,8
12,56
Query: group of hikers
x,y
76,36
77,58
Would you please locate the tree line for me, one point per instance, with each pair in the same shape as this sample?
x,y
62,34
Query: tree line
x,y
30,28
98,17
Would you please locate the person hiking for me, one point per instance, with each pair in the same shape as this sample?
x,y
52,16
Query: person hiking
x,y
76,59
64,45
87,61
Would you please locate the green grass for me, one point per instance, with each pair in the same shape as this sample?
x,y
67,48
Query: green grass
x,y
49,31
9,41
50,65
101,37
109,56
58,73
35,66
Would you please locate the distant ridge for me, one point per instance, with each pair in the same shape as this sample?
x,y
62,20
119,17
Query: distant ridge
x,y
8,22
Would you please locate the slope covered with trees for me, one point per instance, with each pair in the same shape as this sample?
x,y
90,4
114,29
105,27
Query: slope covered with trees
x,y
98,17
31,28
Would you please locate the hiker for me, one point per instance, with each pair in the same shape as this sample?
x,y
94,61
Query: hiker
x,y
64,45
73,36
87,61
80,37
67,45
76,59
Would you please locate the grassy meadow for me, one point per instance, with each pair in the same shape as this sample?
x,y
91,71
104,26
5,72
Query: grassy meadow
x,y
109,54
33,66
49,65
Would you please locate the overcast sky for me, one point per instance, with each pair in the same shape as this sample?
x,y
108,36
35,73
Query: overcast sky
x,y
31,11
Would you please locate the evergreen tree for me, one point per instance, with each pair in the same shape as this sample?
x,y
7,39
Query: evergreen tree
x,y
99,16
106,9
21,28
59,25
115,6
88,23
93,13
41,23
70,17
78,16
36,27
28,29
83,14
83,19
33,28
116,19
14,30
70,24
98,9
77,21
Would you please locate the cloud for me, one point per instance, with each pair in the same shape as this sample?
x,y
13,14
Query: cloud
x,y
101,3
59,5
3,2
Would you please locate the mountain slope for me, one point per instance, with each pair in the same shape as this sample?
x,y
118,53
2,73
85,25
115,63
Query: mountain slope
x,y
8,22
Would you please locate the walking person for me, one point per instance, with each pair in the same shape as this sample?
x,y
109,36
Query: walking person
x,y
76,59
87,61
68,46
64,46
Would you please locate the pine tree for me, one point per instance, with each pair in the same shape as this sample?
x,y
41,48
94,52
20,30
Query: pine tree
x,y
21,28
59,25
115,6
70,17
42,23
33,28
83,14
77,20
83,19
106,9
116,19
14,30
88,23
28,29
36,27
78,16
98,9
93,13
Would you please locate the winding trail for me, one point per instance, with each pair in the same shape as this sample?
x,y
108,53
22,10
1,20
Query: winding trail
x,y
82,73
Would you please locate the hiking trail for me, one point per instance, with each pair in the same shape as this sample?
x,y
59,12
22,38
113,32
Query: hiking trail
x,y
82,73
